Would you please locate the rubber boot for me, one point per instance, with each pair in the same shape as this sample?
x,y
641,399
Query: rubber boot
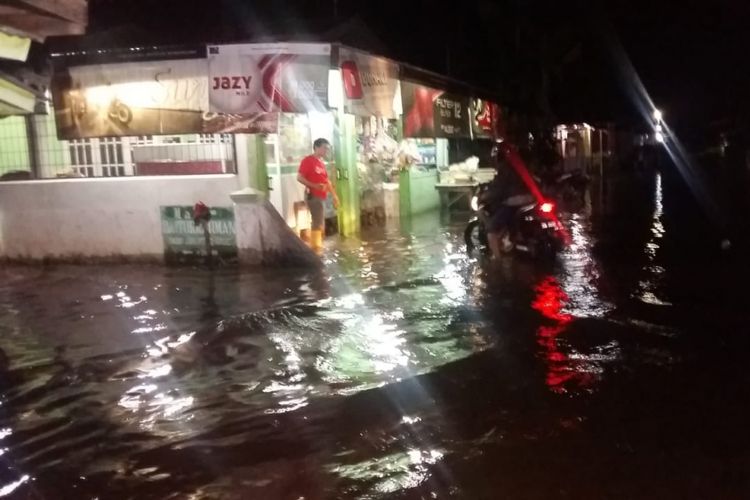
x,y
316,239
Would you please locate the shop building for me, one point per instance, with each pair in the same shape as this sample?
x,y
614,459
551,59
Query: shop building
x,y
129,147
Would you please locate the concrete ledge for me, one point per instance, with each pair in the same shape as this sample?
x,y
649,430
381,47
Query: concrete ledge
x,y
264,239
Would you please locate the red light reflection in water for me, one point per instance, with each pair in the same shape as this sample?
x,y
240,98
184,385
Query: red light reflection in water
x,y
561,370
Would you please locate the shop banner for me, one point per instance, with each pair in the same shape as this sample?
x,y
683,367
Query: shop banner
x,y
370,84
143,98
482,119
251,79
434,113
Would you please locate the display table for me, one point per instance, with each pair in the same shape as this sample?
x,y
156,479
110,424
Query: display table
x,y
450,194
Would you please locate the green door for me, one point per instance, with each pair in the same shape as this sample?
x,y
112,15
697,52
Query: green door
x,y
347,176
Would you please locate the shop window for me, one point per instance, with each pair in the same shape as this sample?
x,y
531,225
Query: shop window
x,y
82,158
184,155
142,140
112,156
215,138
99,158
153,155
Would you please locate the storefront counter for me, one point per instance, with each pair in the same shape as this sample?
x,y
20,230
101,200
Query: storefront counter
x,y
417,191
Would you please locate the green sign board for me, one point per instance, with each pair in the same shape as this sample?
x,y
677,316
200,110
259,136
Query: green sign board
x,y
183,239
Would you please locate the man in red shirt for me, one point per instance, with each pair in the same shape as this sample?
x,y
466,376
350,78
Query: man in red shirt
x,y
314,176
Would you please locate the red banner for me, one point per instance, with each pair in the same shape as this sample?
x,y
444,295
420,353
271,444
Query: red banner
x,y
434,113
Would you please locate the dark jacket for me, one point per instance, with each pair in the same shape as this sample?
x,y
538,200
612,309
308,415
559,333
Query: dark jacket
x,y
506,184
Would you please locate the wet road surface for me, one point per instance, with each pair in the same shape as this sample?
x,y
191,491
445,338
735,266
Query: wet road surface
x,y
406,369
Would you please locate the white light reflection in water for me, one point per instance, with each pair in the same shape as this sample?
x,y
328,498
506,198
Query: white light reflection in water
x,y
450,277
385,334
385,343
164,344
159,371
393,473
146,318
579,279
4,433
11,487
654,273
350,301
368,348
132,399
290,387
150,406
145,399
149,329
126,302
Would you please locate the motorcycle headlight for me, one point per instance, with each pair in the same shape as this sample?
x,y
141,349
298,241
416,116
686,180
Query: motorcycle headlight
x,y
475,203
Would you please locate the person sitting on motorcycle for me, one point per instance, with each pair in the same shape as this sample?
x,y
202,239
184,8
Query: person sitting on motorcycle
x,y
505,193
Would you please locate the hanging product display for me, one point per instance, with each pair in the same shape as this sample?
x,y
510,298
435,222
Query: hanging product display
x,y
376,164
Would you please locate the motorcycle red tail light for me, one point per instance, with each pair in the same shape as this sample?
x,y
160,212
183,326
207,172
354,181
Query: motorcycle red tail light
x,y
547,207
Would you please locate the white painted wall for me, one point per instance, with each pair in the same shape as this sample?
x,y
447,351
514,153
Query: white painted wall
x,y
98,217
244,166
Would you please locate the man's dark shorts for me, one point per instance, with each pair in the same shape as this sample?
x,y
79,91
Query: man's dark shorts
x,y
501,219
317,211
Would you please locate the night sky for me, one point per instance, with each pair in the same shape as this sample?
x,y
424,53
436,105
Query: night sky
x,y
690,55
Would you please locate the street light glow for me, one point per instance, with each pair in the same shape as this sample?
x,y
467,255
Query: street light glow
x,y
659,136
658,115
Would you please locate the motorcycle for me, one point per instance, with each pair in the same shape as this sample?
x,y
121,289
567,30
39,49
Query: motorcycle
x,y
535,229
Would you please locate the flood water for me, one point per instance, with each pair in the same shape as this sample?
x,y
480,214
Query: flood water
x,y
405,369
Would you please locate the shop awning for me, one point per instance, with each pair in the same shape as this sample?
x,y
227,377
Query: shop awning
x,y
15,99
39,19
14,47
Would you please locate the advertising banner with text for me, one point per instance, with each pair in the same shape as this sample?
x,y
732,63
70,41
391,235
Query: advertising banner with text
x,y
434,113
252,79
370,84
